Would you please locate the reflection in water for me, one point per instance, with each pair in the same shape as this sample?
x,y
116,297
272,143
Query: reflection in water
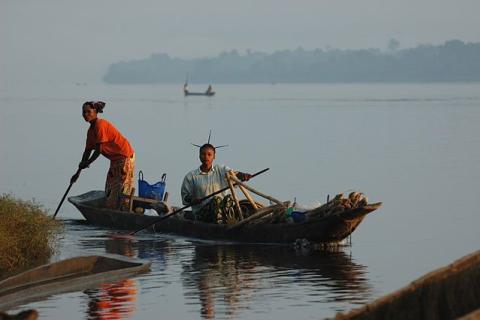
x,y
333,273
217,273
117,300
229,281
156,250
148,249
225,278
120,246
112,300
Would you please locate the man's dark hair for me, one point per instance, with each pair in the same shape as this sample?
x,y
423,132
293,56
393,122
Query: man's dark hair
x,y
207,146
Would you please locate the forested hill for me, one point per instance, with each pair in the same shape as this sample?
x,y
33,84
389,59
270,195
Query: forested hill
x,y
454,61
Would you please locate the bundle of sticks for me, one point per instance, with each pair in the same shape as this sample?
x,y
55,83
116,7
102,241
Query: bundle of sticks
x,y
258,213
277,212
339,204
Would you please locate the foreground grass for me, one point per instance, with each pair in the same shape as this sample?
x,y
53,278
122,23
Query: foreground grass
x,y
27,234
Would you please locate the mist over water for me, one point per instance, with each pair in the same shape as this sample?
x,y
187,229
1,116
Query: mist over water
x,y
415,147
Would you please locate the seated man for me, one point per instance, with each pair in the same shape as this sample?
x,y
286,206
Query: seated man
x,y
204,181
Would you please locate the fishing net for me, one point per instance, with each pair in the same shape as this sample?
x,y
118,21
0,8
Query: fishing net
x,y
222,210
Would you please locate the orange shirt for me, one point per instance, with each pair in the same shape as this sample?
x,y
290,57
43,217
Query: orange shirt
x,y
114,146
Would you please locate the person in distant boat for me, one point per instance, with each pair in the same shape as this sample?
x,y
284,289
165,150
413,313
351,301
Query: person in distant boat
x,y
209,89
103,138
204,181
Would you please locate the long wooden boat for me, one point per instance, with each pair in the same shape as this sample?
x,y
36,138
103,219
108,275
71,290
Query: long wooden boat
x,y
68,275
329,229
450,292
208,94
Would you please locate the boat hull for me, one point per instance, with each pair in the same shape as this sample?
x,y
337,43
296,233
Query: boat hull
x,y
449,292
330,229
210,94
68,275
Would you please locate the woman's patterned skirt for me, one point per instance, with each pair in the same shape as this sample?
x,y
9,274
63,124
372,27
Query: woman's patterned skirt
x,y
119,182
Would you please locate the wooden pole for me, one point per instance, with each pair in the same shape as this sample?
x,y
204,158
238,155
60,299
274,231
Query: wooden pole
x,y
249,197
229,175
260,213
240,183
64,195
130,200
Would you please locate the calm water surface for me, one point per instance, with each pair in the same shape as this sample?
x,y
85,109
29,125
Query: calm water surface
x,y
414,147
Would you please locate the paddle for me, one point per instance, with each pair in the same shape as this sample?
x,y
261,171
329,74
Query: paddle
x,y
63,198
189,205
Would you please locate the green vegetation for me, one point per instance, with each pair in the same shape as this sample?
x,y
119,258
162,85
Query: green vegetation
x,y
453,61
27,234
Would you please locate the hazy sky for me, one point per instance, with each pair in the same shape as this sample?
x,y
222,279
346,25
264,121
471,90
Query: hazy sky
x,y
77,40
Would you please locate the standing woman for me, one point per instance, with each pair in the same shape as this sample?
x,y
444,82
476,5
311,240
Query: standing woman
x,y
103,138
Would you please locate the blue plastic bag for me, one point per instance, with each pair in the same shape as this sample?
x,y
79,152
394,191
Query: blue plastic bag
x,y
298,216
151,191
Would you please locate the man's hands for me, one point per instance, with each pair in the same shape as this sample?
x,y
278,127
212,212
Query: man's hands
x,y
243,176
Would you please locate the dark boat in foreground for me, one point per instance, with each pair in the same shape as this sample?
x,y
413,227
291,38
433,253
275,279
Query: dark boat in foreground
x,y
450,292
68,275
329,229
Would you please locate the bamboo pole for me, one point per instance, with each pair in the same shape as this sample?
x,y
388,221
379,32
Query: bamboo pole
x,y
240,183
260,213
249,197
245,192
229,176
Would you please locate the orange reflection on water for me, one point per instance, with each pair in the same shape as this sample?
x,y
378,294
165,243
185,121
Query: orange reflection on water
x,y
113,300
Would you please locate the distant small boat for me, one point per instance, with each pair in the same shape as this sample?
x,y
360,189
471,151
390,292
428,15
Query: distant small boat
x,y
208,94
68,275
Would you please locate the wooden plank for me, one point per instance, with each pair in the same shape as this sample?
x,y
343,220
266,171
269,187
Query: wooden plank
x,y
144,200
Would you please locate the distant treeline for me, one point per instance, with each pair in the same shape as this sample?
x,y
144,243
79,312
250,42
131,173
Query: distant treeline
x,y
454,61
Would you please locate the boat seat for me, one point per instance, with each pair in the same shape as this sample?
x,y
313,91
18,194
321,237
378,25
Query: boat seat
x,y
139,202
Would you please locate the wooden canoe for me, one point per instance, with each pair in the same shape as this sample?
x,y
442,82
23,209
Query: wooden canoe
x,y
446,293
330,229
65,276
207,94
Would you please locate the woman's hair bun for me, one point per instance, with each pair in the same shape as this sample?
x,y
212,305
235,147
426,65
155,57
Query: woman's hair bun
x,y
97,105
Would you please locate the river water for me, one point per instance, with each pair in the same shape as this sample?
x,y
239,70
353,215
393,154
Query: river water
x,y
415,147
